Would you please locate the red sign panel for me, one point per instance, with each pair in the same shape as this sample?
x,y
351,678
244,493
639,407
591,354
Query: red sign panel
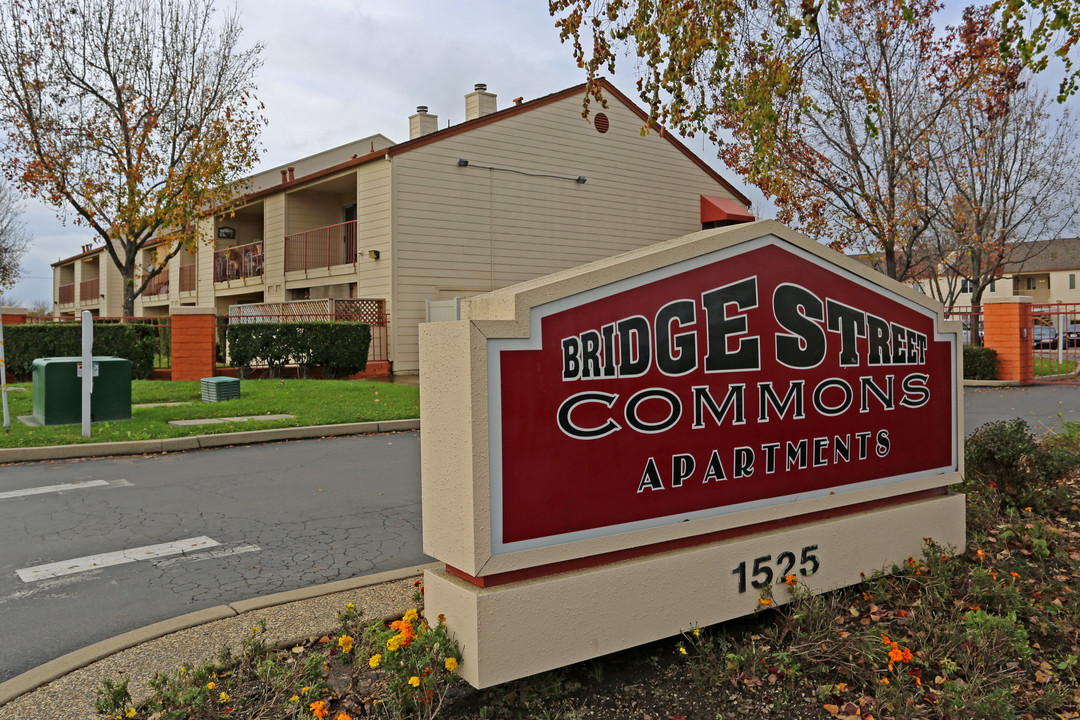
x,y
749,377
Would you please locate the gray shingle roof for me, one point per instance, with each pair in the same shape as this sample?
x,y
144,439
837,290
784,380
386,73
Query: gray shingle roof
x,y
1045,255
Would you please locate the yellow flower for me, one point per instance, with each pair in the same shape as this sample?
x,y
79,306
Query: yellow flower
x,y
224,697
682,651
294,698
414,681
374,661
410,616
346,643
211,685
130,712
393,643
350,606
451,664
441,618
304,690
183,671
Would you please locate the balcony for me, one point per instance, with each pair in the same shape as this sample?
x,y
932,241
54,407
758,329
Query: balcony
x,y
159,285
322,247
237,263
89,290
67,294
187,278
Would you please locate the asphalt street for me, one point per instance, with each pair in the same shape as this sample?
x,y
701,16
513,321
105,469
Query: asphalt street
x,y
1043,406
93,548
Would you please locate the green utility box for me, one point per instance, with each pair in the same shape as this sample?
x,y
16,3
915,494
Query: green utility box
x,y
58,390
219,389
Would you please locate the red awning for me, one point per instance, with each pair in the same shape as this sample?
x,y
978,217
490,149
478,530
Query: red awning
x,y
719,209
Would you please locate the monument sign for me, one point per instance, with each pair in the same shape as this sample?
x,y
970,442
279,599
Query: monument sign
x,y
627,449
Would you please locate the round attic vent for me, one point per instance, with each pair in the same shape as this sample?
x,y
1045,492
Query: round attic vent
x,y
600,122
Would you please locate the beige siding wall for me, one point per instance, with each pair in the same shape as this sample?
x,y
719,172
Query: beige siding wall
x,y
204,264
308,210
373,232
466,230
274,247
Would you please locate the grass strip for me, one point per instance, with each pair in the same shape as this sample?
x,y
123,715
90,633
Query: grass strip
x,y
311,402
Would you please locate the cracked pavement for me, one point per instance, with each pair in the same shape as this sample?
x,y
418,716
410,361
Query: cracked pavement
x,y
284,515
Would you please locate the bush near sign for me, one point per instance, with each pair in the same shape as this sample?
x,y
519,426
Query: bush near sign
x,y
735,397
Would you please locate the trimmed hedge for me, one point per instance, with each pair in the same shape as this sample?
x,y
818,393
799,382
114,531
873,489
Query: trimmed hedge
x,y
339,348
980,363
24,343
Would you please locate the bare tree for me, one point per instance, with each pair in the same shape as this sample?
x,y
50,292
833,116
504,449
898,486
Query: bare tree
x,y
14,237
135,115
1005,170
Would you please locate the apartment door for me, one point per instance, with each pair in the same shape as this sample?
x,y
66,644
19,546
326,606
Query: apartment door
x,y
348,234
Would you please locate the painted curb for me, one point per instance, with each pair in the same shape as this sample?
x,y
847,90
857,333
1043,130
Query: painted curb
x,y
78,659
195,442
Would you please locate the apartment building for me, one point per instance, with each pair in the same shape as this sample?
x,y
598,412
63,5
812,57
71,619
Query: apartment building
x,y
503,197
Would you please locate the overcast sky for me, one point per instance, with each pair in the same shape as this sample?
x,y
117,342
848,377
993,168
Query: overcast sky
x,y
339,70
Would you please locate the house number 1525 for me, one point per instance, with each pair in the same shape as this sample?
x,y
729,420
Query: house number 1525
x,y
761,573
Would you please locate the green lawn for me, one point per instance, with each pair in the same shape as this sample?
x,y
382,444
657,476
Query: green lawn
x,y
313,402
1050,366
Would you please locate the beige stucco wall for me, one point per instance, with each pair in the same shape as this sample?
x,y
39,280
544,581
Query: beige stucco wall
x,y
459,231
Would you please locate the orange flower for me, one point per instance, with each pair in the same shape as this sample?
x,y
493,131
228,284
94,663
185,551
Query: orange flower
x,y
791,580
318,708
342,716
765,602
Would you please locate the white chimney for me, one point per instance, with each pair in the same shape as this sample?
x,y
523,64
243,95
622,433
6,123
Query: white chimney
x,y
422,123
479,102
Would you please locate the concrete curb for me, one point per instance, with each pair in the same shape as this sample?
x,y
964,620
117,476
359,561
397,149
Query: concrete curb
x,y
196,442
992,383
65,664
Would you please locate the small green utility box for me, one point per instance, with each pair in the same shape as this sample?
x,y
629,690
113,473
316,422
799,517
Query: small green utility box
x,y
58,390
219,389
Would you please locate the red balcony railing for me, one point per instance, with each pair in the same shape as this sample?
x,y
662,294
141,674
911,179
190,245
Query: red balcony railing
x,y
67,294
322,247
89,290
238,262
159,285
187,278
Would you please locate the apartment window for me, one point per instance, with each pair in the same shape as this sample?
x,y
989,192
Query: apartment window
x,y
966,286
991,286
1031,284
1072,281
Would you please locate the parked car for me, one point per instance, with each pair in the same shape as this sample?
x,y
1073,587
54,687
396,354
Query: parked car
x,y
1044,336
1072,335
967,332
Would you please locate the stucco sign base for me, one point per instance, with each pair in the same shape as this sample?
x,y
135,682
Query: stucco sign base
x,y
511,631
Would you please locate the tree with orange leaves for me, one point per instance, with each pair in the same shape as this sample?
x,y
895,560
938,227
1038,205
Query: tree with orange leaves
x,y
137,116
828,107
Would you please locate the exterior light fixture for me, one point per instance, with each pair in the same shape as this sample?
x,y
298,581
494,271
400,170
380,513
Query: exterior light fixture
x,y
373,254
462,162
580,180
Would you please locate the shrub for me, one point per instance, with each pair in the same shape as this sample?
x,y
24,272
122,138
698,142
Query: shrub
x,y
339,348
980,363
1004,457
133,341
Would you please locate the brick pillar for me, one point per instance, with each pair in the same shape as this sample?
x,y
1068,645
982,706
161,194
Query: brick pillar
x,y
194,343
1008,331
13,315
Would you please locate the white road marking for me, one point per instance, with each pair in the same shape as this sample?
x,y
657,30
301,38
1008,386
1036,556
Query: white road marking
x,y
208,555
91,562
81,485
